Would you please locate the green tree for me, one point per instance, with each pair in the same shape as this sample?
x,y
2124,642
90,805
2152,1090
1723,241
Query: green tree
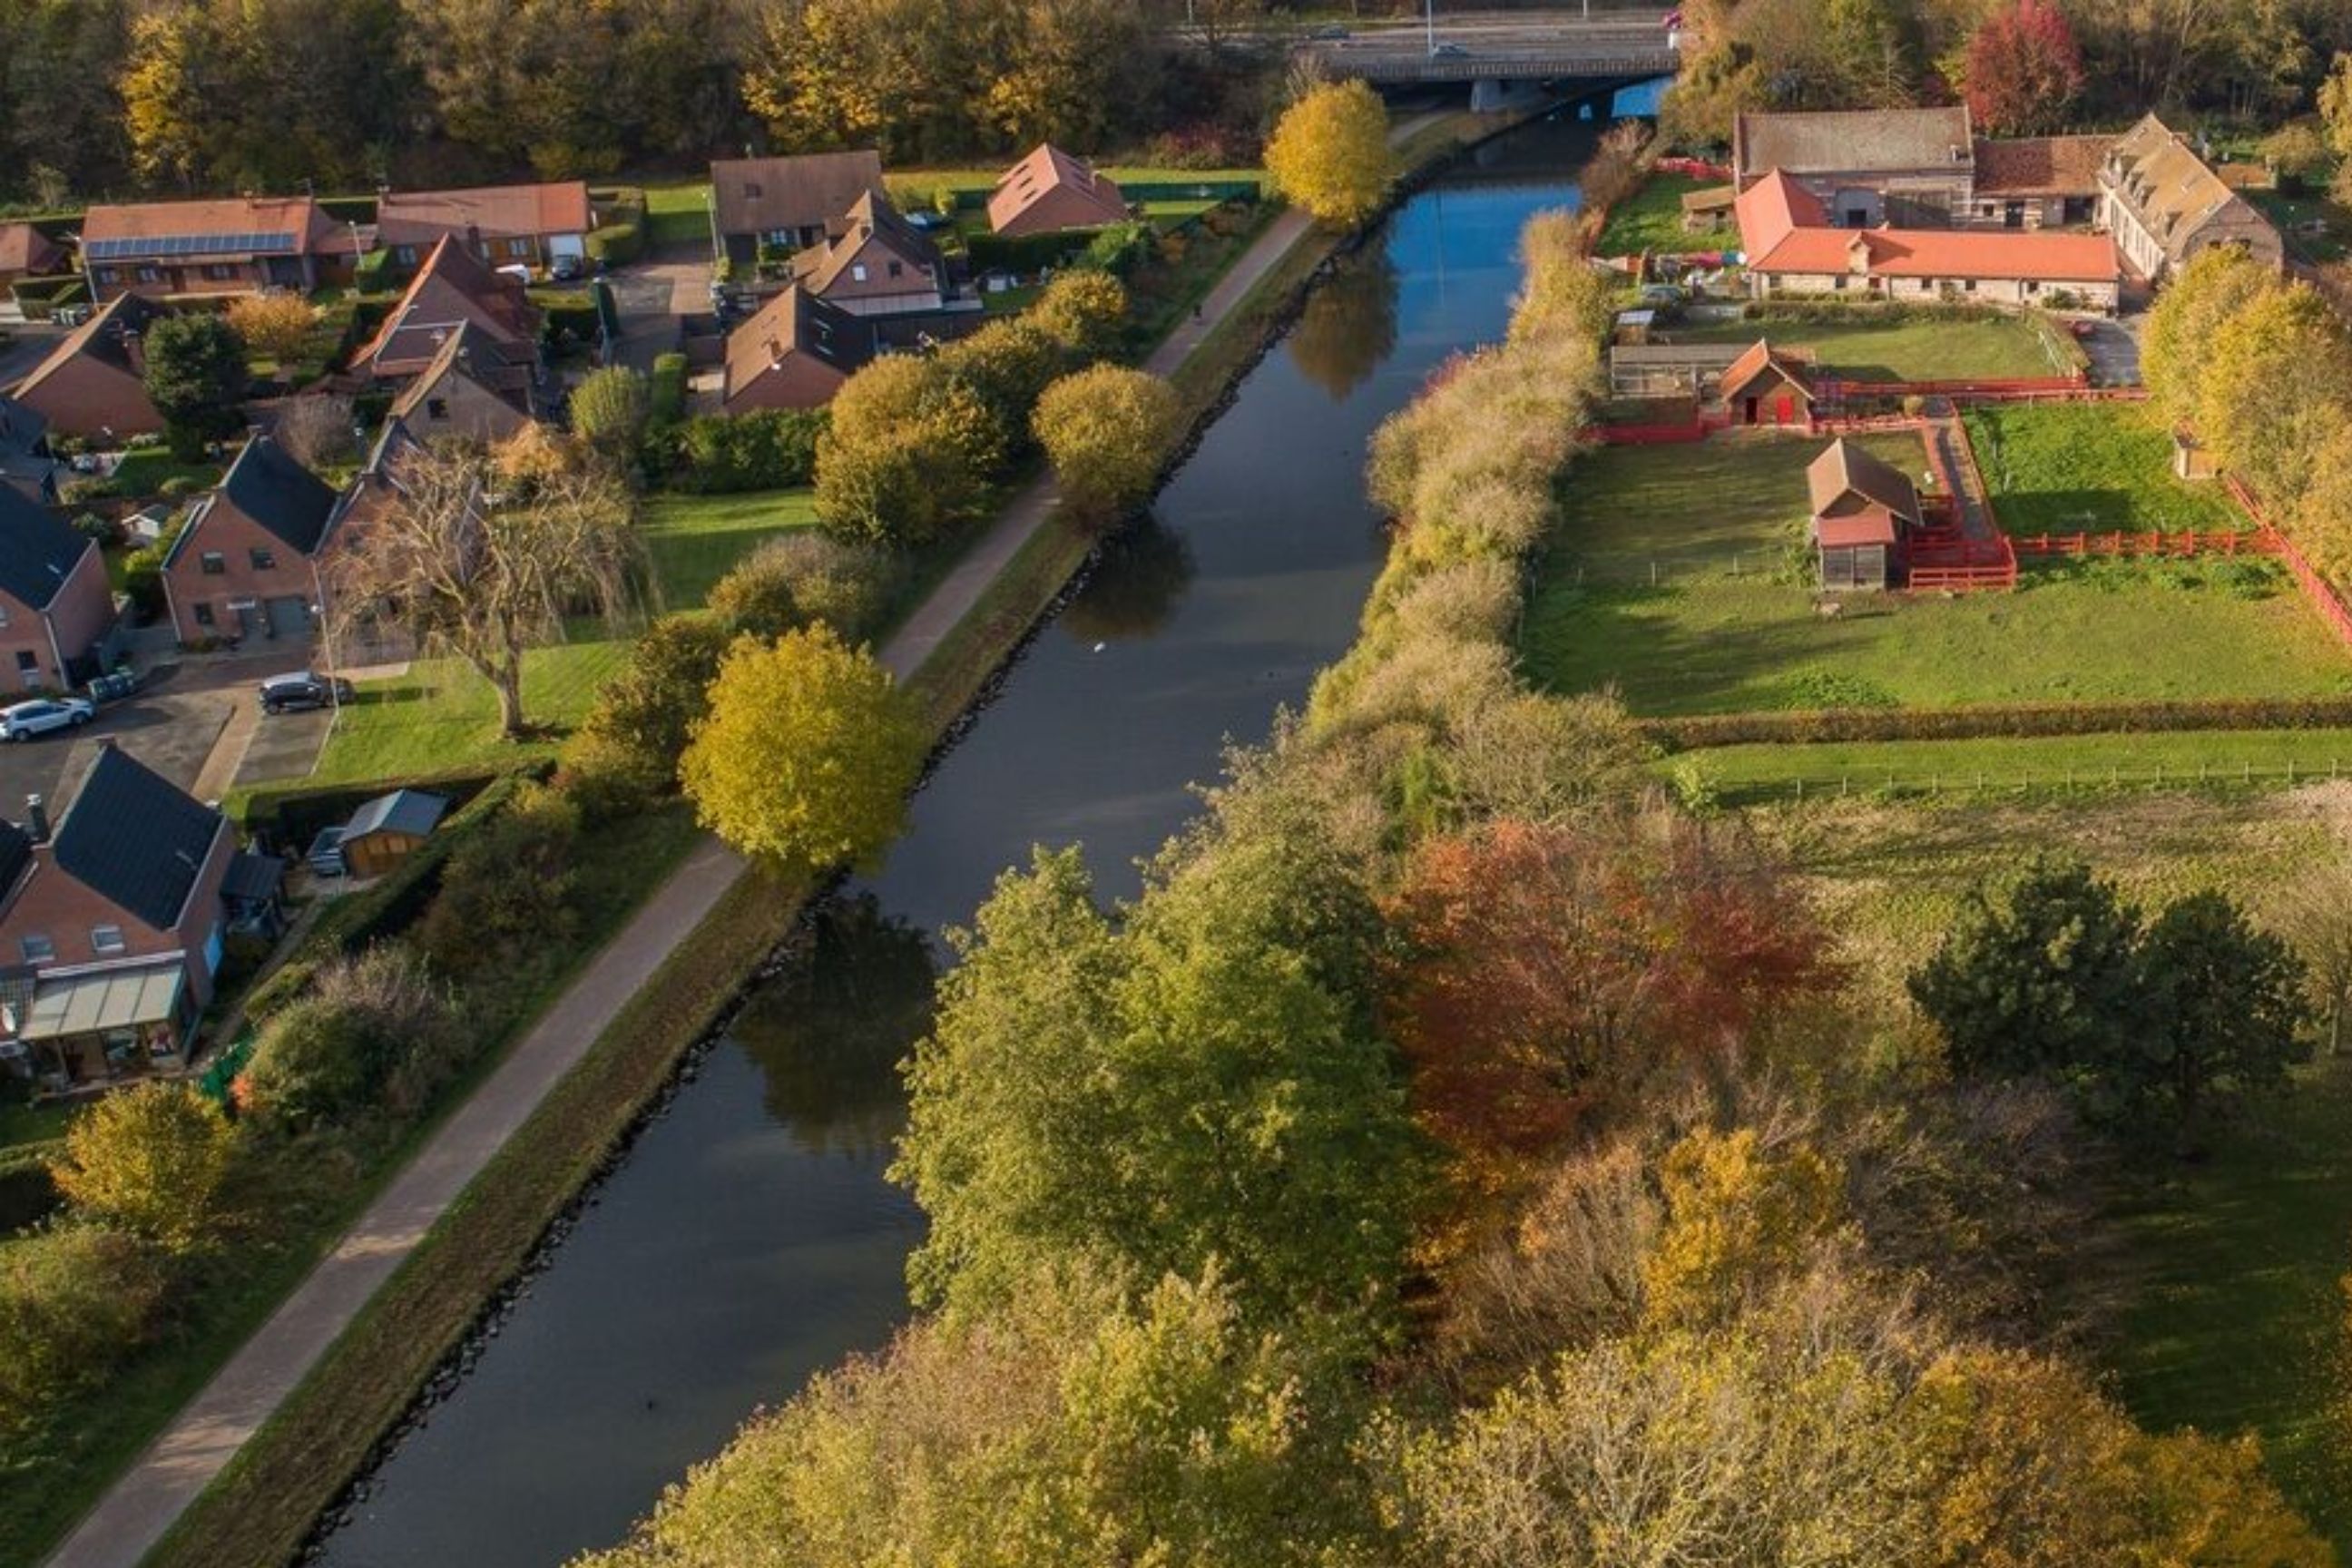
x,y
2225,1011
196,377
807,752
150,1159
506,895
643,716
1329,153
804,577
1107,431
2178,341
74,1300
2277,383
370,1033
2336,106
608,412
1008,364
910,455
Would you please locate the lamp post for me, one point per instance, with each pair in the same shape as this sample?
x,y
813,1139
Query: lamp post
x,y
1429,23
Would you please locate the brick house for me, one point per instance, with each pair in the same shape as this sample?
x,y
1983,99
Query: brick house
x,y
27,252
2163,204
501,225
247,563
55,606
1049,191
110,927
26,462
794,354
2038,182
453,288
241,245
472,391
790,203
93,384
1908,167
878,265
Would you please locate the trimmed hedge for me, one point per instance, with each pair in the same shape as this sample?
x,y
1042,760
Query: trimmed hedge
x,y
2017,721
666,394
1025,252
292,814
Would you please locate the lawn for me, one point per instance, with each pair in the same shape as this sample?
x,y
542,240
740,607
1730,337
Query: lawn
x,y
678,215
1652,219
2053,765
442,716
694,540
1919,349
146,471
2293,214
2061,468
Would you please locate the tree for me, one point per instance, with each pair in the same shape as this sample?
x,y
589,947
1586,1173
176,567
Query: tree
x,y
2276,385
804,577
807,752
491,568
196,377
316,430
643,717
2179,341
505,894
1741,1220
608,412
1073,72
2336,106
74,1300
910,455
2295,151
2041,977
277,326
1008,364
366,1033
1329,153
2225,1011
1107,431
2024,70
151,1158
2314,913
1083,313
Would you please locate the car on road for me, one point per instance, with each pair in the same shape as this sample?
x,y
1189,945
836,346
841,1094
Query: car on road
x,y
1447,51
1329,35
300,692
326,853
22,721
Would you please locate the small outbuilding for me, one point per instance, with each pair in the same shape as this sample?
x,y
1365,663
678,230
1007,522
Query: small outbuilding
x,y
390,829
1709,209
1765,387
1863,510
2192,459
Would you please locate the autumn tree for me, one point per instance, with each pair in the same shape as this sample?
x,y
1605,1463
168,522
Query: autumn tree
x,y
1083,313
317,430
196,377
2335,116
1742,1220
1107,431
1072,72
74,1300
151,1158
807,752
61,120
491,567
1329,154
910,455
637,728
2178,342
275,325
2024,70
2277,383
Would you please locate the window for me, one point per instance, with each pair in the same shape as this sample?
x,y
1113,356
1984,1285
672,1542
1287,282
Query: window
x,y
110,275
857,272
219,271
518,249
1838,282
203,613
436,408
212,562
2031,287
27,662
405,253
3,615
898,269
263,560
38,948
1969,287
107,939
151,275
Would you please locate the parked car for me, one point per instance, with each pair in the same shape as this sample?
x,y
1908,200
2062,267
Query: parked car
x,y
326,853
22,721
1447,51
567,268
299,692
1331,34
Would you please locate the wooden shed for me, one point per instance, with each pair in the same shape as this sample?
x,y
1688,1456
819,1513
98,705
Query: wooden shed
x,y
1765,387
389,828
2191,459
1707,209
1863,510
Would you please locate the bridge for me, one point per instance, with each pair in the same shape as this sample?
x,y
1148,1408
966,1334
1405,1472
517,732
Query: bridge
x,y
1498,52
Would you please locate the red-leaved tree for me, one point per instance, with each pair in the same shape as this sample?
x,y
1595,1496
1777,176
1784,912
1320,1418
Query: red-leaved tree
x,y
2024,70
1544,969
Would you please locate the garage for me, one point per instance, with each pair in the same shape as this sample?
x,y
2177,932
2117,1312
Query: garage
x,y
289,617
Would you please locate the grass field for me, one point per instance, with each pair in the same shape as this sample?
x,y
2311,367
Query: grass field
x,y
678,215
442,716
1652,219
2060,766
1921,349
2061,468
144,473
694,540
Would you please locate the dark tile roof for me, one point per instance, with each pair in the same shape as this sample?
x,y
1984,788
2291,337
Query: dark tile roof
x,y
414,812
15,849
757,195
797,321
135,838
37,549
253,877
279,494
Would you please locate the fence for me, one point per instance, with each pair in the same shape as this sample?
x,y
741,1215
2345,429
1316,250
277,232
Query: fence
x,y
2260,540
1987,390
2079,778
2315,588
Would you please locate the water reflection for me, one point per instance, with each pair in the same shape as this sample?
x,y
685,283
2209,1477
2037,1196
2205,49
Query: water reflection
x,y
1349,328
1136,582
829,1033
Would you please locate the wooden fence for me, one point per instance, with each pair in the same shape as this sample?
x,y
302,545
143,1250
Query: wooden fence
x,y
1987,390
2315,588
2260,540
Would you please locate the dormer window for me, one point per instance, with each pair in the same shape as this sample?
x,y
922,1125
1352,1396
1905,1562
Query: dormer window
x,y
104,940
37,949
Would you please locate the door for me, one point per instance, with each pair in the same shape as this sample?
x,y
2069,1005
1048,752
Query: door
x,y
2013,215
289,617
1748,415
28,669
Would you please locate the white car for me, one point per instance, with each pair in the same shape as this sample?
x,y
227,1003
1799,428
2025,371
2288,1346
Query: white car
x,y
22,721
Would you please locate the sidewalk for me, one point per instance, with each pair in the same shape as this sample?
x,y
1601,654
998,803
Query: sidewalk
x,y
137,1511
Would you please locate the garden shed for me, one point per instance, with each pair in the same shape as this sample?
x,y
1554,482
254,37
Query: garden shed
x,y
389,828
1765,387
1863,510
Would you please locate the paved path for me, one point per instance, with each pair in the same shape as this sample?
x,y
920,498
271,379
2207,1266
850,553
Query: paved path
x,y
137,1511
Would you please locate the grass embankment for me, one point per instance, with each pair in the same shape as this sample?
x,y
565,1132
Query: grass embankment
x,y
1917,349
2064,467
1652,219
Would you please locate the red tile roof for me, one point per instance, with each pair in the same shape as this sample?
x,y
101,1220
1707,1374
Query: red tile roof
x,y
24,249
453,287
1781,232
1047,170
266,216
496,212
1759,357
2042,165
1874,526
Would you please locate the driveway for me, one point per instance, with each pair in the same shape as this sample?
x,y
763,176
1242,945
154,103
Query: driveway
x,y
2113,348
650,297
171,724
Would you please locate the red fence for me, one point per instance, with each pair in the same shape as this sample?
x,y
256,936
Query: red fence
x,y
1697,429
2262,541
1961,579
1990,390
1694,168
2324,598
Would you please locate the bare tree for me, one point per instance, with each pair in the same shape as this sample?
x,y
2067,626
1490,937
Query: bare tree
x,y
316,430
489,567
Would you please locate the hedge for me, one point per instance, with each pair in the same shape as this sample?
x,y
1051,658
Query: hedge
x,y
2022,721
1024,252
617,245
666,396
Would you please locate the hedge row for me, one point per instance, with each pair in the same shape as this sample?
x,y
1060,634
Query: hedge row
x,y
2022,721
1025,252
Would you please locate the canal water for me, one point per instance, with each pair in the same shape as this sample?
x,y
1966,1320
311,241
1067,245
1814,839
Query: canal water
x,y
750,1238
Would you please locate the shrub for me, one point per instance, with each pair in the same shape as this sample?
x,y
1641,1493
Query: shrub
x,y
767,450
609,410
630,742
99,531
506,892
178,485
848,587
277,326
1023,253
73,1301
617,243
368,1031
148,1159
666,397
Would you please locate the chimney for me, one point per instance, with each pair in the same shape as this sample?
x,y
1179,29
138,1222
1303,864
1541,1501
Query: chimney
x,y
133,350
37,819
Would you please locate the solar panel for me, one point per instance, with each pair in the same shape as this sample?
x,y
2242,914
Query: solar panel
x,y
193,245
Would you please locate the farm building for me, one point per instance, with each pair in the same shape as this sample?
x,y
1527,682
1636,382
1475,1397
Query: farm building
x,y
1755,383
1707,209
1863,510
389,828
1765,387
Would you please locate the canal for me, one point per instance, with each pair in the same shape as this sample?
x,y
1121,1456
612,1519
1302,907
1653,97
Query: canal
x,y
750,1238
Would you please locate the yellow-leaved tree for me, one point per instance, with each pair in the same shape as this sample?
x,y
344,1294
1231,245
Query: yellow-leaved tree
x,y
1107,430
150,1159
1331,154
807,752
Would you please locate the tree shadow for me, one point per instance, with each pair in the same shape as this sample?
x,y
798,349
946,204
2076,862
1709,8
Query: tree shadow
x,y
1348,328
1138,580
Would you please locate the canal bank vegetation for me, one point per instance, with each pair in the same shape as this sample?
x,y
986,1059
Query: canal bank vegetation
x,y
1459,1154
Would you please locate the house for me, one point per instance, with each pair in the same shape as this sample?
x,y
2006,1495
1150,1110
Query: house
x,y
240,245
2038,182
1765,387
355,633
475,389
503,225
1704,211
1049,191
247,563
878,265
27,252
26,462
388,830
1792,249
786,203
1908,167
93,384
794,354
55,606
2163,204
453,288
1864,510
111,926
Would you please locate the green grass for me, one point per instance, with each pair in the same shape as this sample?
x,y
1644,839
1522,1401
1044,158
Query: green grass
x,y
2291,213
694,540
2062,468
678,215
143,472
2050,765
442,716
1652,219
1922,348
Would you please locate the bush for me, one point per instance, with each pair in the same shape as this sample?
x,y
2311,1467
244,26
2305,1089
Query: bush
x,y
73,1301
371,1031
609,410
768,450
665,398
617,245
148,1159
848,587
506,892
178,485
1108,431
628,746
1083,313
1023,253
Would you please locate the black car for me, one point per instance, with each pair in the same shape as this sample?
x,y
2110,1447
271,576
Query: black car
x,y
297,693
